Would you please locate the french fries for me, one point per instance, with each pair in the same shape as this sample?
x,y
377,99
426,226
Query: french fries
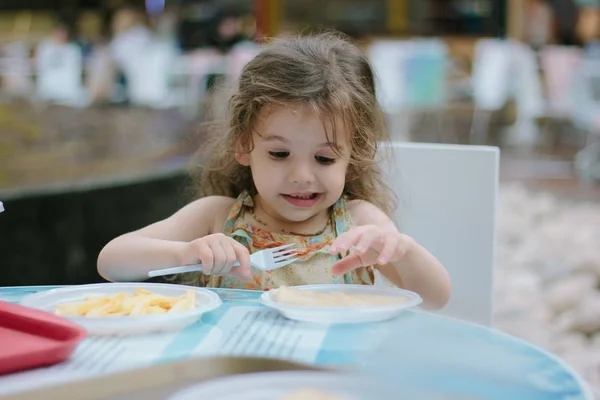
x,y
142,302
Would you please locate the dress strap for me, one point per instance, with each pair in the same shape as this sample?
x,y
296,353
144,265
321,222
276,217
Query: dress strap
x,y
244,199
340,216
342,222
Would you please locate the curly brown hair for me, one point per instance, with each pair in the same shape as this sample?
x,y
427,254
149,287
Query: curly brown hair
x,y
324,73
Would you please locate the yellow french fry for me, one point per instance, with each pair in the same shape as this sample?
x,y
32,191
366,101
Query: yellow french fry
x,y
141,302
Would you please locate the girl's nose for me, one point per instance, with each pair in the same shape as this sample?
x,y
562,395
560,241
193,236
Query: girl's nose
x,y
301,173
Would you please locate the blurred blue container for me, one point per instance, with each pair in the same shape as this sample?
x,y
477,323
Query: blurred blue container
x,y
425,68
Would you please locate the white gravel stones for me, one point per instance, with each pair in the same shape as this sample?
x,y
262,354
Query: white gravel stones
x,y
547,275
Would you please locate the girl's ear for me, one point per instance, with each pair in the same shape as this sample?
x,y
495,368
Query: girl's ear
x,y
242,156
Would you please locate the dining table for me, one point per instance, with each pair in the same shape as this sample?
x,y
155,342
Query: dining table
x,y
417,349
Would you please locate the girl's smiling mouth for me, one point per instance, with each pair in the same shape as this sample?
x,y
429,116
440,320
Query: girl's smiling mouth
x,y
302,199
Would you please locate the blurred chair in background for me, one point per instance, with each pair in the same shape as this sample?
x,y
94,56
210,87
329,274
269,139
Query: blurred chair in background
x,y
490,84
559,65
587,117
411,79
503,71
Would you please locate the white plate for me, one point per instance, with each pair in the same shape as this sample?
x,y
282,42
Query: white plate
x,y
276,385
206,300
341,315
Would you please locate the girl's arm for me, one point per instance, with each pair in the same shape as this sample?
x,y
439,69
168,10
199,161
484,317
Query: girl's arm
x,y
163,244
416,269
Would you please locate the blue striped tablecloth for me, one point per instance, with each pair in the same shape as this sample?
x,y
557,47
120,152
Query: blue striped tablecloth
x,y
416,348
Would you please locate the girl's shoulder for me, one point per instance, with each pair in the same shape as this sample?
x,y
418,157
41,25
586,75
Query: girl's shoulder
x,y
363,212
197,219
208,212
212,203
218,208
357,207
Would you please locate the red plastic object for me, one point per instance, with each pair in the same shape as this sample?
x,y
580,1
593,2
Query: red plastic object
x,y
33,338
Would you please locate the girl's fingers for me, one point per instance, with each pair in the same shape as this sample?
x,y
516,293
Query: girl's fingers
x,y
387,251
220,258
346,264
345,241
230,256
364,242
206,257
243,271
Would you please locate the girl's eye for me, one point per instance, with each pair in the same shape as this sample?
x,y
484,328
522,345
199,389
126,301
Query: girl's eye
x,y
279,155
325,160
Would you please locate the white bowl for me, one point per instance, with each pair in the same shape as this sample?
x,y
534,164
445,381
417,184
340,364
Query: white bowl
x,y
342,315
206,301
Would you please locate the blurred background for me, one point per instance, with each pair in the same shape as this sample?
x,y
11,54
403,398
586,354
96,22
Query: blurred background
x,y
102,104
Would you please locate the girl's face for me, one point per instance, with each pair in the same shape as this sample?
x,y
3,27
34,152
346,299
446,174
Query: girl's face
x,y
295,170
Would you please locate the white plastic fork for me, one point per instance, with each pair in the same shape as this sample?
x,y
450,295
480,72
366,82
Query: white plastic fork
x,y
264,260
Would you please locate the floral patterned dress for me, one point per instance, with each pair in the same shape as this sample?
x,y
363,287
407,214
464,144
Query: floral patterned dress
x,y
314,264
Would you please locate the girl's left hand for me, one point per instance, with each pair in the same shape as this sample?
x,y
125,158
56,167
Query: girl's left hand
x,y
369,245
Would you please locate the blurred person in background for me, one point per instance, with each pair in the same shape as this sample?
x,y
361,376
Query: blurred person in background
x,y
566,14
63,32
588,30
130,36
560,22
89,32
58,63
538,30
225,31
101,70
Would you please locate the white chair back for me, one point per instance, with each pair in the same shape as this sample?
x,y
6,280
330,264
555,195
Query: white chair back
x,y
409,73
586,115
387,59
447,198
586,96
560,64
529,91
504,70
491,76
425,74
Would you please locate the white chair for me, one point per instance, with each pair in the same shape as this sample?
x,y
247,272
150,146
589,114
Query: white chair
x,y
387,58
411,79
503,70
560,64
491,76
586,115
447,198
490,84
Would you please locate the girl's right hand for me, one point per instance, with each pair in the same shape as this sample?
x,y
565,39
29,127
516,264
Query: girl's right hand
x,y
217,253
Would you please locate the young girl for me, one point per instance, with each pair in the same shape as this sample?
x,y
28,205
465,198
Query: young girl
x,y
295,164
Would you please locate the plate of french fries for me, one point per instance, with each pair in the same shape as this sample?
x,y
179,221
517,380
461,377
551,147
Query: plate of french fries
x,y
127,308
